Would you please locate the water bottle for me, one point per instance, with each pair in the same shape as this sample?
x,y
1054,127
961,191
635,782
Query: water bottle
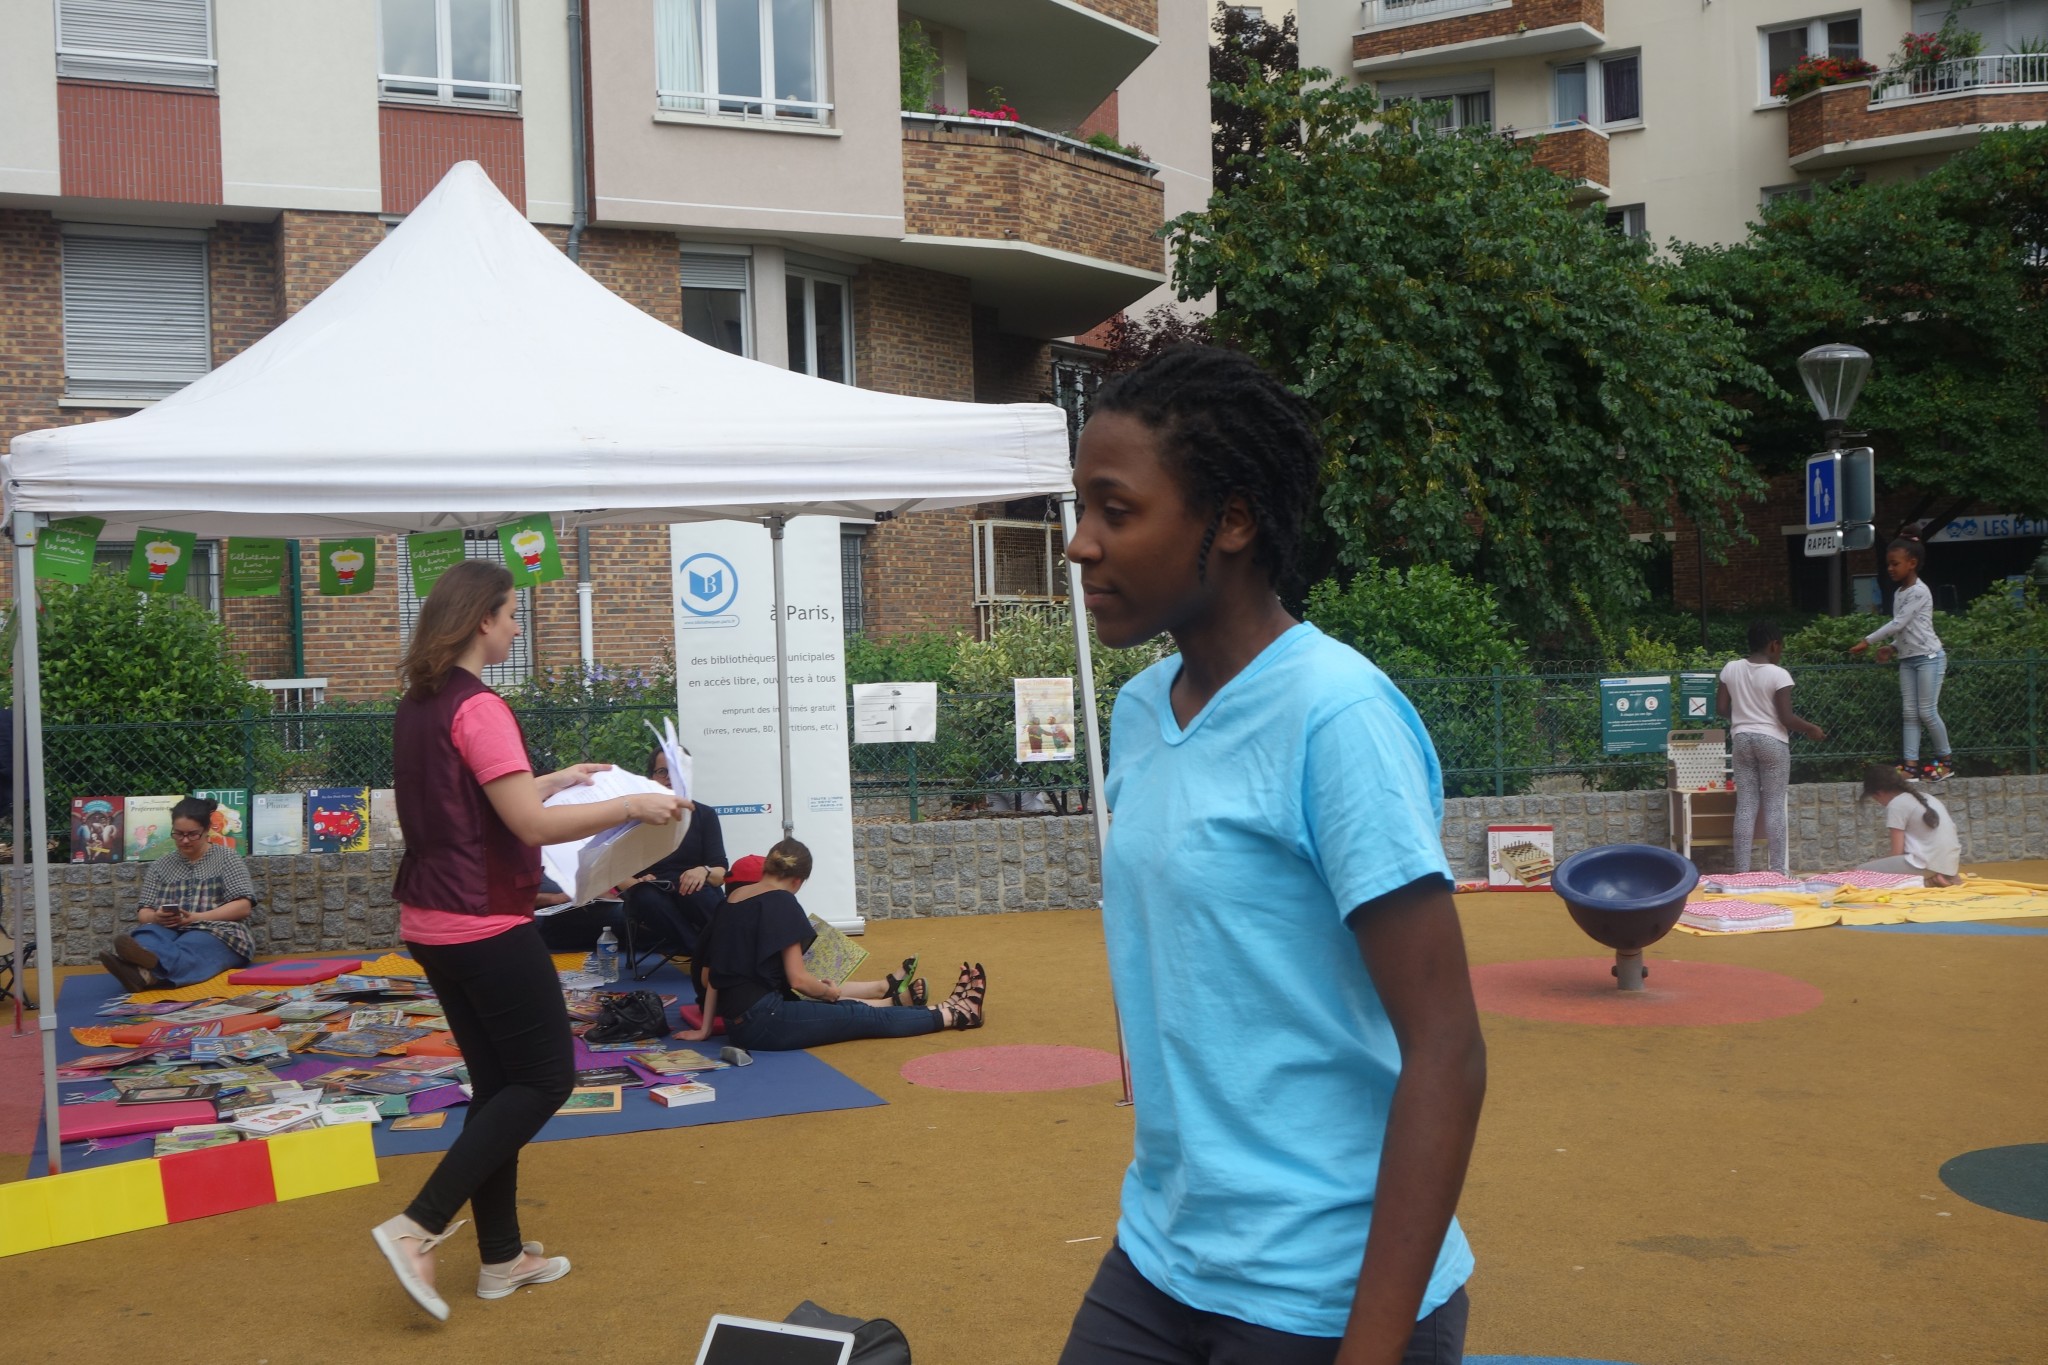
x,y
608,955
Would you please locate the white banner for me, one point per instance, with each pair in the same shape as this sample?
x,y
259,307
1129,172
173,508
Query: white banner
x,y
723,588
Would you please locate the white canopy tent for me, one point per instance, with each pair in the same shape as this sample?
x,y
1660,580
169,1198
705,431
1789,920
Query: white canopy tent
x,y
466,372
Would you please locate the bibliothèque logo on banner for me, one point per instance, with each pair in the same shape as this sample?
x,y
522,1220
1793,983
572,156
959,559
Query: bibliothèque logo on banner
x,y
710,587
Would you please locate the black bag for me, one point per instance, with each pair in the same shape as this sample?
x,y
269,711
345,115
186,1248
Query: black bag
x,y
877,1341
627,1018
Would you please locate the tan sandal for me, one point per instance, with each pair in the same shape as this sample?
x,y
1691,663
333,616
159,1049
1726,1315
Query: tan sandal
x,y
391,1236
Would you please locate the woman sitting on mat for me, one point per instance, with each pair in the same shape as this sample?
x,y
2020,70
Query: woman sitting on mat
x,y
1924,838
753,961
196,902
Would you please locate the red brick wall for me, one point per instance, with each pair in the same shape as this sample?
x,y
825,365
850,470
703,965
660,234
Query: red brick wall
x,y
1575,153
353,642
138,142
418,145
1103,120
643,268
314,249
1464,28
1139,14
1009,368
241,264
1843,113
1009,186
632,621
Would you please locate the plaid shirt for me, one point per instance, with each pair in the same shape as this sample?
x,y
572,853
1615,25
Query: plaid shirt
x,y
219,877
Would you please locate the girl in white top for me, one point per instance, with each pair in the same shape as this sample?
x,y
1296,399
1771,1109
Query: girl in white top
x,y
1756,695
1922,661
1924,839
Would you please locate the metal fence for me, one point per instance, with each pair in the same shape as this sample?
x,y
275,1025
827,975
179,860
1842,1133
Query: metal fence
x,y
1496,734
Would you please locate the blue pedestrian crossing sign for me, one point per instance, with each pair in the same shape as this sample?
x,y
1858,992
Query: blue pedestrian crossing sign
x,y
1823,490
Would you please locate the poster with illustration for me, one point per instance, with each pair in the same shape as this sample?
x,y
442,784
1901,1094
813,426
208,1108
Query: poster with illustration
x,y
384,819
431,554
1045,719
148,821
230,819
338,820
96,829
64,549
162,560
1520,857
530,551
277,823
253,567
348,568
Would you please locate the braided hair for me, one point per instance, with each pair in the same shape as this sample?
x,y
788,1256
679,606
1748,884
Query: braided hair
x,y
1228,429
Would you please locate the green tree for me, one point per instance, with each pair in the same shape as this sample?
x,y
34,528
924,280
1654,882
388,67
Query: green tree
x,y
1942,280
1501,378
1247,48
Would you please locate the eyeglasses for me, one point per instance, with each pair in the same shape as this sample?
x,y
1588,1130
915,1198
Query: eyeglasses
x,y
188,834
661,772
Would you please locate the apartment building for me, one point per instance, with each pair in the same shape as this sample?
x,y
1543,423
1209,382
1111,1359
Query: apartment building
x,y
177,177
1664,114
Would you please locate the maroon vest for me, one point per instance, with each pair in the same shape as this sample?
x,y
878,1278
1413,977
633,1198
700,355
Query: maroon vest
x,y
459,856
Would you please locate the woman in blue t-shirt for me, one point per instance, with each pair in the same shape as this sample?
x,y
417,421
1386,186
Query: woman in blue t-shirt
x,y
1272,790
752,965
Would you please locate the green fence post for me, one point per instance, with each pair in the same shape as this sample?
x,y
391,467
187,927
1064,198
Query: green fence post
x,y
248,752
1500,738
913,783
2033,713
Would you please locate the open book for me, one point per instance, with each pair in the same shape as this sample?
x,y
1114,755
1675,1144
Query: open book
x,y
587,868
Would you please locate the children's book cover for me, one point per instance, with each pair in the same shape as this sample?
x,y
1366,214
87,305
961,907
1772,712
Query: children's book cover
x,y
384,819
338,820
230,819
277,823
96,834
148,827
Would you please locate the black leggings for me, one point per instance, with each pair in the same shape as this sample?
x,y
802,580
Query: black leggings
x,y
504,1006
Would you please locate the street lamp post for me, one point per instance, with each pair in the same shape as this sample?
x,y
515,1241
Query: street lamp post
x,y
1834,375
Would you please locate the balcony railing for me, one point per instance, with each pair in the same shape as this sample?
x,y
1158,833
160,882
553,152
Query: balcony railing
x,y
1378,13
1962,74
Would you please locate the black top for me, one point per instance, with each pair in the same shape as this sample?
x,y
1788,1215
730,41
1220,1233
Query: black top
x,y
743,948
703,845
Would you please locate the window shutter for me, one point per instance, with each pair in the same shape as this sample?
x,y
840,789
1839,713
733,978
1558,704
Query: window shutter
x,y
135,316
162,42
714,272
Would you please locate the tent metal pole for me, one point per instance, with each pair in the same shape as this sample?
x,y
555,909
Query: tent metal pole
x,y
1084,662
28,695
775,527
14,896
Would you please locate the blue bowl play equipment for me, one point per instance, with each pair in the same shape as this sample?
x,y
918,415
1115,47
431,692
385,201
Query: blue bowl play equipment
x,y
1626,897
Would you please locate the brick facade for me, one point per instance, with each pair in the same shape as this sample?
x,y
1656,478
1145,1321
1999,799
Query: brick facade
x,y
632,620
1139,14
138,142
1009,368
1464,28
417,145
640,267
1103,120
1009,185
1577,154
315,248
1844,113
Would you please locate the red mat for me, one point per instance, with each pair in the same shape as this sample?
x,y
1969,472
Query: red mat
x,y
1581,990
21,1084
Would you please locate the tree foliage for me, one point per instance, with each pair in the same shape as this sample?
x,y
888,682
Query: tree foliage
x,y
1247,48
1501,378
1942,280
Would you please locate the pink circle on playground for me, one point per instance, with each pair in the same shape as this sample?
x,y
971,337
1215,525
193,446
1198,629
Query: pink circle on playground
x,y
1581,990
1016,1067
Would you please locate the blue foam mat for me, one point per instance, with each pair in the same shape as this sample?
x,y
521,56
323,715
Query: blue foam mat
x,y
777,1084
1960,927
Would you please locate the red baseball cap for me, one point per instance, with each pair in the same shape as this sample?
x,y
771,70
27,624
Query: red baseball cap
x,y
746,870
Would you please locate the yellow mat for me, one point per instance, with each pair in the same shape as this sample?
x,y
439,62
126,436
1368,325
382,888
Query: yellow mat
x,y
1978,898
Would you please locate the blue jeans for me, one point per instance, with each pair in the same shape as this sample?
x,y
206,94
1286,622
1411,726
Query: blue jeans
x,y
185,957
1919,693
778,1025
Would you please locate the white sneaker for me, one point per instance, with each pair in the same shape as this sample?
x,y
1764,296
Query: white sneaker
x,y
391,1236
492,1282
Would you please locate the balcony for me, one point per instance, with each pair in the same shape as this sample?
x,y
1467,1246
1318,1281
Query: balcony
x,y
1055,234
1938,109
1576,151
1404,35
1057,58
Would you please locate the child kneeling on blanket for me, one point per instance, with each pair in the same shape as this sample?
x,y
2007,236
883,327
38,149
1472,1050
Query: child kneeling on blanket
x,y
1924,838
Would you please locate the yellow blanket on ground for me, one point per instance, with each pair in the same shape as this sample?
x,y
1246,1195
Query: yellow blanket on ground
x,y
1977,898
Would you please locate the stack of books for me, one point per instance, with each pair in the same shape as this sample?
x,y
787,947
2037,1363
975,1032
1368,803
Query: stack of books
x,y
1735,917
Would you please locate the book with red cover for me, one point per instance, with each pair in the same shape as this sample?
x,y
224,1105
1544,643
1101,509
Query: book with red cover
x,y
110,1118
296,973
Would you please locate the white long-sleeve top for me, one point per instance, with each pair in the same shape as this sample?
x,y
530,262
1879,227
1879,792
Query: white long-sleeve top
x,y
1912,621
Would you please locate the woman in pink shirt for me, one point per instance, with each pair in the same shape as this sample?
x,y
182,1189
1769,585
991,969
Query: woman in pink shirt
x,y
471,810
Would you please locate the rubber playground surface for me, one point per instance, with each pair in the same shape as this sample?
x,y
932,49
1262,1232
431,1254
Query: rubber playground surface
x,y
1756,1166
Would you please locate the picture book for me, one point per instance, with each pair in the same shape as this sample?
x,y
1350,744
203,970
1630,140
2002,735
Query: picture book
x,y
682,1093
392,1106
338,820
423,1066
598,1077
603,1100
376,1018
396,1083
304,1011
417,1122
96,829
230,819
833,956
166,1094
337,1112
270,1119
342,1077
1520,857
384,819
258,1044
277,823
147,827
203,1137
679,1062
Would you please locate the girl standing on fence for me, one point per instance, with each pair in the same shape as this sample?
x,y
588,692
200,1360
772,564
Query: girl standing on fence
x,y
1925,842
1756,696
1922,660
1275,792
470,807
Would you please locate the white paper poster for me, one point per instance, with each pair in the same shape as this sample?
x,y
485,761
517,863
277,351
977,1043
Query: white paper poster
x,y
895,713
1045,719
723,588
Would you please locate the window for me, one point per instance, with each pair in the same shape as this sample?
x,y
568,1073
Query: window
x,y
853,610
1465,104
518,665
1601,93
461,48
1802,190
202,579
157,42
741,58
1076,376
820,327
715,301
1786,45
135,311
1629,220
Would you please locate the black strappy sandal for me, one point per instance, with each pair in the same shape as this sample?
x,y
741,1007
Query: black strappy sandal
x,y
967,1000
911,992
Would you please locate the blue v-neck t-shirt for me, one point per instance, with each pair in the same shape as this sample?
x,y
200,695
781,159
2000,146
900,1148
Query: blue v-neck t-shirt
x,y
1262,1060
